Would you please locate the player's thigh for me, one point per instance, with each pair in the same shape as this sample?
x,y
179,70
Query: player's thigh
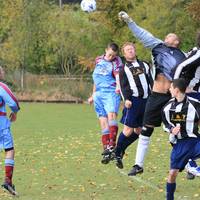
x,y
6,139
139,105
154,105
133,116
99,105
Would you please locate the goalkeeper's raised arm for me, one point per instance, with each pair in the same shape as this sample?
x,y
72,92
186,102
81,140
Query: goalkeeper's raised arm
x,y
143,35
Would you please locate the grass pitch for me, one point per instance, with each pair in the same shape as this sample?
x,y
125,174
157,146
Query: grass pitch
x,y
58,153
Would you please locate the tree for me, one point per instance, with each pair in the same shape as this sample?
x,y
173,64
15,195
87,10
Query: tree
x,y
193,9
38,36
73,36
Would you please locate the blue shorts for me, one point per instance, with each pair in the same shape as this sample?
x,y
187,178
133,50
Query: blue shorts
x,y
6,139
106,102
195,95
184,150
133,116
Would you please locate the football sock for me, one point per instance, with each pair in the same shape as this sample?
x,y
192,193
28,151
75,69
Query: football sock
x,y
113,128
170,188
129,140
120,144
105,138
9,167
123,142
142,148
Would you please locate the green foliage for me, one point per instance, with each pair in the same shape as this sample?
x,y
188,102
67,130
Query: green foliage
x,y
40,37
72,35
193,8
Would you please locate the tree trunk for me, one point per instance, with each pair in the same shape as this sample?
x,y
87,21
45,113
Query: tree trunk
x,y
22,78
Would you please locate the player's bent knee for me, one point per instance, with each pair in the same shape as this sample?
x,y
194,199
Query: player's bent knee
x,y
137,130
9,149
172,176
147,131
127,130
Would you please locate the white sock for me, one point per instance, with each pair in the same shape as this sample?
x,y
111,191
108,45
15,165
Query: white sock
x,y
143,144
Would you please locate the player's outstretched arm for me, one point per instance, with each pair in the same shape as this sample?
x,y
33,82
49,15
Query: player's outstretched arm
x,y
123,16
143,35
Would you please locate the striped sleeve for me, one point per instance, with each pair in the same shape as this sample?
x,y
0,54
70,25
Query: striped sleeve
x,y
117,65
98,59
125,88
195,82
149,73
191,62
8,97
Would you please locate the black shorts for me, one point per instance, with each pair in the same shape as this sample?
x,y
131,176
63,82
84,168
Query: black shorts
x,y
155,103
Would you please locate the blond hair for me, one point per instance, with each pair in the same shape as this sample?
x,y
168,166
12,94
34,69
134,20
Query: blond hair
x,y
127,44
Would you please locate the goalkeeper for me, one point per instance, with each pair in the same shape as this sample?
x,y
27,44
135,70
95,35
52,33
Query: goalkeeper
x,y
166,56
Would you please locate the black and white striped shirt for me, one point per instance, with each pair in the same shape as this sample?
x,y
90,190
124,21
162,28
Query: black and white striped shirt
x,y
190,69
185,113
135,80
195,82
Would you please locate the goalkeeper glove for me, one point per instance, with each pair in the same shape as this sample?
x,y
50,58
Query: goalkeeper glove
x,y
123,16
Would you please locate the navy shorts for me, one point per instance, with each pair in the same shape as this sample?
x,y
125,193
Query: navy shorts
x,y
133,116
185,149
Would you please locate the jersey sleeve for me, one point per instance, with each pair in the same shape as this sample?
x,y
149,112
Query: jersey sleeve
x,y
198,110
98,59
149,73
9,98
126,91
195,82
193,61
117,65
147,39
166,118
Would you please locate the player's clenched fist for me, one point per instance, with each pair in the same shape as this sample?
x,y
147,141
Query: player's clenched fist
x,y
123,16
90,100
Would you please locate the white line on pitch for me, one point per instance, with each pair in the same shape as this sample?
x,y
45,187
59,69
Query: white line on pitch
x,y
149,184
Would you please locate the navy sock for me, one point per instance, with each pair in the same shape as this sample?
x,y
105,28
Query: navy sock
x,y
170,187
129,140
120,142
123,142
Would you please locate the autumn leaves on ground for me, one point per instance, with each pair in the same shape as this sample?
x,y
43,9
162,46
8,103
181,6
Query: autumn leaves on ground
x,y
58,154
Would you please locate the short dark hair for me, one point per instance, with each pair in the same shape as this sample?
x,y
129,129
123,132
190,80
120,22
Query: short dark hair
x,y
181,84
113,46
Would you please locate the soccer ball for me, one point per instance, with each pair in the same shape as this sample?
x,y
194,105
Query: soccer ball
x,y
88,5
